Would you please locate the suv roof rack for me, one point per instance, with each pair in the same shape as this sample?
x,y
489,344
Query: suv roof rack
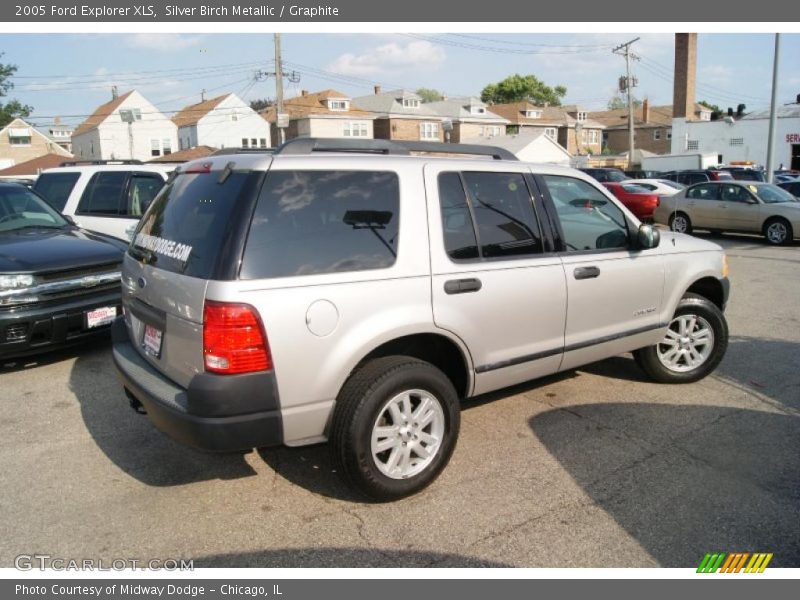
x,y
299,146
78,163
224,151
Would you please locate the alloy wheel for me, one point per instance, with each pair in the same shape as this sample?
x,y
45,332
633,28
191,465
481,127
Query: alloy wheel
x,y
687,345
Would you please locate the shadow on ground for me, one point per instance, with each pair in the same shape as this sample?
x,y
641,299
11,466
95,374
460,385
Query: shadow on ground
x,y
342,557
684,480
129,440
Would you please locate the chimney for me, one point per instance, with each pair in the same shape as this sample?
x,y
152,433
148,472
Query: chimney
x,y
304,93
730,111
203,95
377,90
798,99
646,111
114,92
740,110
57,121
683,93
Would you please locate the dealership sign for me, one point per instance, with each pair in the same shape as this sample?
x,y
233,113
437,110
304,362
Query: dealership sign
x,y
793,138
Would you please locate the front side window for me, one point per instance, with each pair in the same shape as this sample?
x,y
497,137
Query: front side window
x,y
589,219
735,193
103,194
311,222
20,208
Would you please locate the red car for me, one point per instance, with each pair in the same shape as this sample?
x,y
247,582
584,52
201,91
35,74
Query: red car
x,y
640,201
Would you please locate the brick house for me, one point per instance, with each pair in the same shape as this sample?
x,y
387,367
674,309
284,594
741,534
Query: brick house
x,y
570,126
469,117
325,114
20,142
401,115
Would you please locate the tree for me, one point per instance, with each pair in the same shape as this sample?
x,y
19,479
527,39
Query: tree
x,y
517,88
429,94
714,108
12,109
261,104
617,102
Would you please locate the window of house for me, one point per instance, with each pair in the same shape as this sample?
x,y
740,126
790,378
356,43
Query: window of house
x,y
490,130
551,132
254,142
356,129
20,140
592,136
337,104
737,141
669,134
581,116
410,103
155,147
692,144
429,131
589,220
533,114
234,116
656,134
166,146
245,143
262,143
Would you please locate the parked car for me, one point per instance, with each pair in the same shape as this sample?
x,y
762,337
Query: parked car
x,y
733,206
104,196
639,200
662,187
605,174
643,174
403,284
697,176
785,179
745,174
59,284
793,187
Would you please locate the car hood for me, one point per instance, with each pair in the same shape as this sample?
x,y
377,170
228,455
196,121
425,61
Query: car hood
x,y
680,242
40,250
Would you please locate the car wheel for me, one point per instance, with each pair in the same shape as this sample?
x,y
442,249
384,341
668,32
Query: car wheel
x,y
394,427
778,231
695,342
680,222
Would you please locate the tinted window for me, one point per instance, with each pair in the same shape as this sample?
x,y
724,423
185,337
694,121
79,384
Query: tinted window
x,y
19,207
704,192
503,212
735,193
310,222
56,188
459,233
141,191
103,195
589,220
186,226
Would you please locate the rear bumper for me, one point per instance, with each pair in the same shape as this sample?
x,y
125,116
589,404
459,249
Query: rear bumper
x,y
212,414
32,330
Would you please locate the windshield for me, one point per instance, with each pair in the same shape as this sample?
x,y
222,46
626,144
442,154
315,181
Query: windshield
x,y
56,187
20,208
772,194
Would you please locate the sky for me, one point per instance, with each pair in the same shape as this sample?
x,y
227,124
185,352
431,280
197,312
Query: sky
x,y
69,75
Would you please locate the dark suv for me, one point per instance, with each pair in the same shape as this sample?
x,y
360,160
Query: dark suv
x,y
690,177
743,174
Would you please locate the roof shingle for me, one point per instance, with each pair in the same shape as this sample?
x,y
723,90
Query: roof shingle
x,y
100,114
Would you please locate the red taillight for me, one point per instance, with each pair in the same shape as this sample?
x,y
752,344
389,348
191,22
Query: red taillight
x,y
204,167
234,340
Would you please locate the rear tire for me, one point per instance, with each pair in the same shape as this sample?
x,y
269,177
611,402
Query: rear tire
x,y
778,231
694,345
680,222
395,427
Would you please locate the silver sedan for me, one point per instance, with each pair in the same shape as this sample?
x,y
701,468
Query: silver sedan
x,y
746,206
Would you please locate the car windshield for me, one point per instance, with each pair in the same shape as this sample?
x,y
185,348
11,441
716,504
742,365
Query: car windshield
x,y
21,209
633,188
672,184
56,186
772,194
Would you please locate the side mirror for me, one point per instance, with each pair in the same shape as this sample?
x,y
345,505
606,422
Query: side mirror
x,y
648,236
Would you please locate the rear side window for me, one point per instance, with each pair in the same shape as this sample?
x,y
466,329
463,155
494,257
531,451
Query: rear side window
x,y
709,191
56,188
141,191
186,227
103,195
459,232
309,222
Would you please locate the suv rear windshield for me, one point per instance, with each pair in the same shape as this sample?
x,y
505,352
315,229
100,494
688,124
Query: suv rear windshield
x,y
56,188
309,222
188,225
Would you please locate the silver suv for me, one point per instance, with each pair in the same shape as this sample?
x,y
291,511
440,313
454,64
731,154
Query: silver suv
x,y
355,292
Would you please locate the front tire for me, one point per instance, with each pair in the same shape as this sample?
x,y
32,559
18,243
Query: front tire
x,y
680,223
778,231
695,343
395,427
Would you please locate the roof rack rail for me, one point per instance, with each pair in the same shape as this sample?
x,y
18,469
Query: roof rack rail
x,y
78,163
395,148
225,151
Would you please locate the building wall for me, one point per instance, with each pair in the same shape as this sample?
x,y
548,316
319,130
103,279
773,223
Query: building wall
x,y
569,140
187,137
409,129
643,139
39,146
717,136
542,150
114,140
218,129
332,128
463,131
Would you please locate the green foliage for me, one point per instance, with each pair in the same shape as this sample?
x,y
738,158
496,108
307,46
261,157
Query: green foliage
x,y
261,104
617,102
517,88
714,108
12,109
429,94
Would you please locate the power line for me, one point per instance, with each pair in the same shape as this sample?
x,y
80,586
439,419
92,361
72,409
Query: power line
x,y
517,43
149,71
495,49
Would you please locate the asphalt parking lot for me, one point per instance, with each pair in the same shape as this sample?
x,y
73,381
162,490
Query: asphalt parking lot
x,y
595,467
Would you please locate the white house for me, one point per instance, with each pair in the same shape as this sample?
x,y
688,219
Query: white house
x,y
742,139
127,127
529,146
222,122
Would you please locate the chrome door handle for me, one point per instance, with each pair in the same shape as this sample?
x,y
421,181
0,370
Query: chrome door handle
x,y
586,272
462,286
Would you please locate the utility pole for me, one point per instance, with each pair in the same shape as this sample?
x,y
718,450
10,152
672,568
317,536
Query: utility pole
x,y
625,50
279,87
773,112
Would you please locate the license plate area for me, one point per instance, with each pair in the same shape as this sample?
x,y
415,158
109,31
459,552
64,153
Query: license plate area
x,y
152,338
100,316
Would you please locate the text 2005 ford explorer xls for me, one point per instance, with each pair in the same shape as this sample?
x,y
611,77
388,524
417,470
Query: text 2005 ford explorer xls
x,y
354,292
